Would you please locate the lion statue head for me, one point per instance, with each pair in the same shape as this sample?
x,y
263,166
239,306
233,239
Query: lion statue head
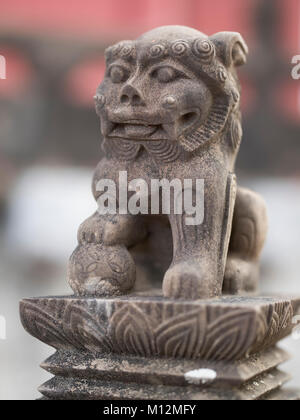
x,y
173,83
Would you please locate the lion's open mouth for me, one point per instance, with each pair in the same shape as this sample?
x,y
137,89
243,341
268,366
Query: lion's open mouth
x,y
138,130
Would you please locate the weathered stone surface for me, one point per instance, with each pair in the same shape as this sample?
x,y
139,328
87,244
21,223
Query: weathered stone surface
x,y
223,329
69,388
166,371
169,107
283,395
113,377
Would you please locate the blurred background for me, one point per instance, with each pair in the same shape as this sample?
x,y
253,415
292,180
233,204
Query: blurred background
x,y
50,142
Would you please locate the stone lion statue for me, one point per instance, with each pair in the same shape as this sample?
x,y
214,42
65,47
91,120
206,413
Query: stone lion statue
x,y
169,108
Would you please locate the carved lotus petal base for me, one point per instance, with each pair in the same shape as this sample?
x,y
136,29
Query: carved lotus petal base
x,y
228,328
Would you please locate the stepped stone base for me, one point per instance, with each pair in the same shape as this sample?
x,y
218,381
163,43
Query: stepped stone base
x,y
131,378
141,347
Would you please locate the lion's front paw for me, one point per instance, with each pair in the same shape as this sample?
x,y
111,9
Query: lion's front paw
x,y
96,270
187,280
90,231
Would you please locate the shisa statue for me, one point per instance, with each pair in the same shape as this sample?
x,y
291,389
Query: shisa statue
x,y
169,107
174,240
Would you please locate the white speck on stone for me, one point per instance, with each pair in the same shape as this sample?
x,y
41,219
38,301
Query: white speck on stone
x,y
200,376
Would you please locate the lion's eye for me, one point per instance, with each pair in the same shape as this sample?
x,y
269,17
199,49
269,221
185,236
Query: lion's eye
x,y
165,74
118,74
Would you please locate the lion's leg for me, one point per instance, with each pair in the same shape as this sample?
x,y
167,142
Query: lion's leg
x,y
198,265
248,235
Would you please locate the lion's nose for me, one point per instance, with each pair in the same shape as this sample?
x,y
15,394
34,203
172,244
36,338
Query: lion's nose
x,y
131,96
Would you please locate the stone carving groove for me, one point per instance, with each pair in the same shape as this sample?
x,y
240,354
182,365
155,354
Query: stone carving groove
x,y
279,318
182,335
87,330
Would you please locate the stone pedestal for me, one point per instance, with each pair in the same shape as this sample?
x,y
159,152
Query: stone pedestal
x,y
142,347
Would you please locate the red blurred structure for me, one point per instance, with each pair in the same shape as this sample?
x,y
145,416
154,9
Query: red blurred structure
x,y
116,18
109,20
54,54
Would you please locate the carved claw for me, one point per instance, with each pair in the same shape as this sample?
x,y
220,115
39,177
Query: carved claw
x,y
91,230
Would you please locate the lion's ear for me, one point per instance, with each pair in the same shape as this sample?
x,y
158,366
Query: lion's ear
x,y
231,48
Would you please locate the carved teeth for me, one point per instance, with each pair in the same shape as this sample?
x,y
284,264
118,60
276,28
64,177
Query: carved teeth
x,y
139,131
